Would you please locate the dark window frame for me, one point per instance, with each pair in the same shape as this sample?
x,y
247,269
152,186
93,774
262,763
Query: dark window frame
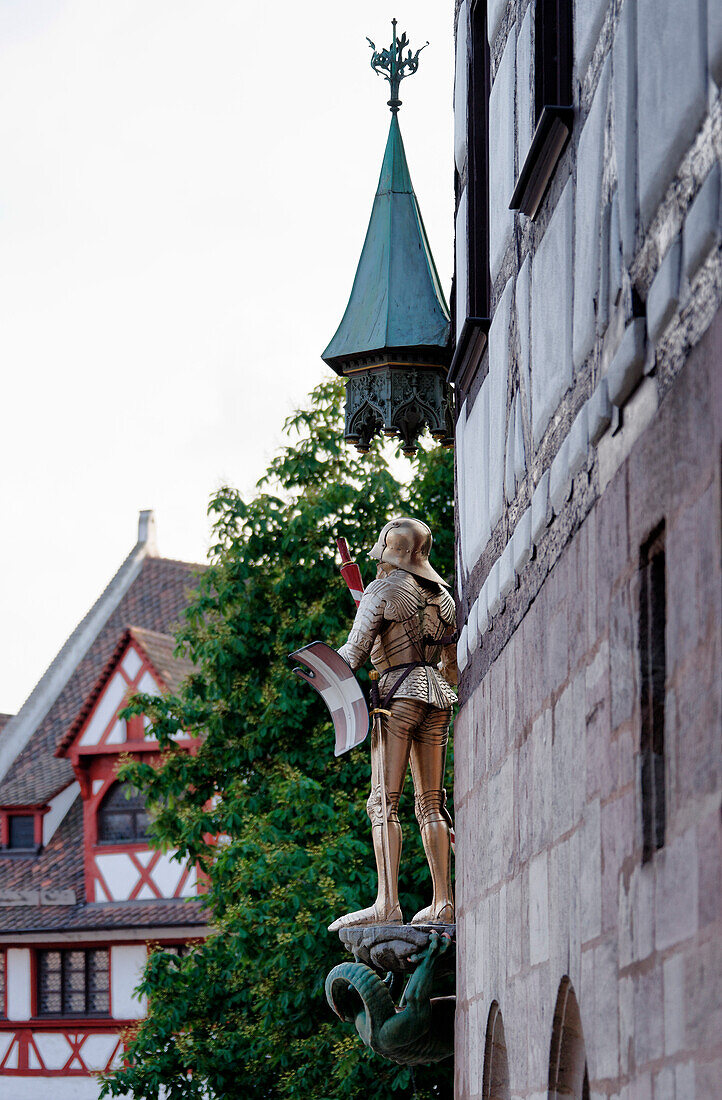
x,y
28,820
114,806
652,690
90,990
553,102
472,330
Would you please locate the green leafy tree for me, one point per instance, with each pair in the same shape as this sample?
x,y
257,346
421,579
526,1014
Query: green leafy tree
x,y
244,1015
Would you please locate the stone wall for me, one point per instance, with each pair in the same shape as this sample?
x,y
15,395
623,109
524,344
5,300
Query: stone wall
x,y
596,302
551,884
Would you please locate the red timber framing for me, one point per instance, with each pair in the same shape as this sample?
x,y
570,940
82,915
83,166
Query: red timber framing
x,y
69,1046
128,870
76,1048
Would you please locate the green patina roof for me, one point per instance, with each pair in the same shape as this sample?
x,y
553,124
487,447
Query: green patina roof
x,y
396,300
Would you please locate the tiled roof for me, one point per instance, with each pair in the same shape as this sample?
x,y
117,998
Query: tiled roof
x,y
158,648
98,916
155,601
59,867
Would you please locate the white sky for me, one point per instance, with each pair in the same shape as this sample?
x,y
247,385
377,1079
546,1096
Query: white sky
x,y
184,190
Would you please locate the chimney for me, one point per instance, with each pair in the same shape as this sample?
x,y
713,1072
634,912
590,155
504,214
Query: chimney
x,y
147,533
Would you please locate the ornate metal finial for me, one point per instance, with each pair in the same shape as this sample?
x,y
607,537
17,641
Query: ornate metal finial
x,y
393,66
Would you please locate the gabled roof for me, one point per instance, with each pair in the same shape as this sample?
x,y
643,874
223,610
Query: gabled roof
x,y
396,301
148,592
157,647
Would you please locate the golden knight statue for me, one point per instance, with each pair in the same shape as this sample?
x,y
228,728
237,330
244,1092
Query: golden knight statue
x,y
405,623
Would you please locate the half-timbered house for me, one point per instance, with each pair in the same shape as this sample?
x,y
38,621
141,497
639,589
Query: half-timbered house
x,y
83,894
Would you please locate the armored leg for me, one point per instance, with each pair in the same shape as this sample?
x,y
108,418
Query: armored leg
x,y
394,744
428,755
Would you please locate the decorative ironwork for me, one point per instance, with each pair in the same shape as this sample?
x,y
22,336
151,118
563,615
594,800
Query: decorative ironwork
x,y
398,402
393,66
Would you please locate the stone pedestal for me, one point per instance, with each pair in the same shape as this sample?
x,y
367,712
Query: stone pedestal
x,y
388,947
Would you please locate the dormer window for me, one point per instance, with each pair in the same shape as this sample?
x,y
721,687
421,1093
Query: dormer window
x,y
122,816
21,831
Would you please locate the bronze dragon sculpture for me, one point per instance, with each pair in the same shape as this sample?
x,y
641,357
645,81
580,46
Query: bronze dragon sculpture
x,y
419,1030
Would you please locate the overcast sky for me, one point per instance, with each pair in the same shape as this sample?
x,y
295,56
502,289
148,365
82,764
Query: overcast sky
x,y
184,191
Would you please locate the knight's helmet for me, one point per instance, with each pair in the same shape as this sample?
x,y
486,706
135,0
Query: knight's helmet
x,y
406,543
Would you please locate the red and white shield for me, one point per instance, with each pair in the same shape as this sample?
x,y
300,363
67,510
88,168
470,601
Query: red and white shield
x,y
327,672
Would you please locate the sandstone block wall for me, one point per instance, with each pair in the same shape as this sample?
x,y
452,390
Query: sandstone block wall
x,y
551,884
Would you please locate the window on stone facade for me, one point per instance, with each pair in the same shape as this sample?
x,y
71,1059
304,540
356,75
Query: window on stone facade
x,y
3,985
21,831
473,327
73,982
478,163
568,1077
496,1064
553,100
552,55
653,673
122,816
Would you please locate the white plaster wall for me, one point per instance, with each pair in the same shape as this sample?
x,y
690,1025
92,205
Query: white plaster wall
x,y
109,703
49,1088
127,962
59,807
18,983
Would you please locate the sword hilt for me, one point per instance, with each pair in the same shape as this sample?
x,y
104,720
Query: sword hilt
x,y
375,700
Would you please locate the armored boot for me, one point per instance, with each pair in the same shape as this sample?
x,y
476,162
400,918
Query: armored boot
x,y
435,825
386,908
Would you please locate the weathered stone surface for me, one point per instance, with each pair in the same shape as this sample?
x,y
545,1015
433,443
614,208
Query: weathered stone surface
x,y
551,372
588,202
714,40
538,909
461,88
494,14
702,224
559,477
590,886
588,19
599,412
523,323
524,88
522,541
670,111
497,383
509,478
625,370
461,239
624,77
676,893
501,161
472,442
540,509
663,294
519,454
578,441
492,588
673,980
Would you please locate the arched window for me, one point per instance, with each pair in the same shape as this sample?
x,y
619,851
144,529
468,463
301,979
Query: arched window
x,y
122,816
568,1078
496,1064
